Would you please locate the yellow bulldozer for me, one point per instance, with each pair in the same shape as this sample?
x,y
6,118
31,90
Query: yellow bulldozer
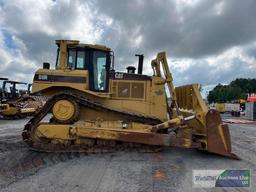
x,y
16,103
97,109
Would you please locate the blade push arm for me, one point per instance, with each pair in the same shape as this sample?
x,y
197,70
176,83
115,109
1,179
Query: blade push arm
x,y
156,66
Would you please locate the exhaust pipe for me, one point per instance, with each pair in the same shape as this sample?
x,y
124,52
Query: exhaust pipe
x,y
46,65
140,64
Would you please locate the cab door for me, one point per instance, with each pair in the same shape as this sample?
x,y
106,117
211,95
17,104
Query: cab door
x,y
99,77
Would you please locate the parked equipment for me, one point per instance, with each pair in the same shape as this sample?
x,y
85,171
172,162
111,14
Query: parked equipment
x,y
96,109
227,107
250,110
1,89
220,107
18,103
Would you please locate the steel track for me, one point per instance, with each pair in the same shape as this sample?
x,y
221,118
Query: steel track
x,y
107,146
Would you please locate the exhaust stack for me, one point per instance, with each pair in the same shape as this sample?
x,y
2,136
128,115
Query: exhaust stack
x,y
140,63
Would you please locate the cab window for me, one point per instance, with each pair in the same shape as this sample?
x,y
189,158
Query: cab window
x,y
80,61
77,59
58,57
71,58
99,70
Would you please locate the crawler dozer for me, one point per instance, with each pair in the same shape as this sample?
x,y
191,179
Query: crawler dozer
x,y
17,103
97,109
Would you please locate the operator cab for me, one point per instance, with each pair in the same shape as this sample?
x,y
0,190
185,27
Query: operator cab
x,y
96,59
87,67
13,89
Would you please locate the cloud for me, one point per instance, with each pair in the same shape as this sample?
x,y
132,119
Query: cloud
x,y
208,42
208,27
32,28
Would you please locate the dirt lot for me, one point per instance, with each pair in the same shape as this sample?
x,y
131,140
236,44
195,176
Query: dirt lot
x,y
171,170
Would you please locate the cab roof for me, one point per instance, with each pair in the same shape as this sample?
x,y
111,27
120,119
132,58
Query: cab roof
x,y
75,43
16,82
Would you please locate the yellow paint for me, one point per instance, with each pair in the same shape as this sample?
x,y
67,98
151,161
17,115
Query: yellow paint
x,y
42,86
150,102
220,107
28,110
8,110
53,131
63,110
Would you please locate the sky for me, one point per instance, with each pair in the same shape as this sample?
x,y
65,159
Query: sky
x,y
206,41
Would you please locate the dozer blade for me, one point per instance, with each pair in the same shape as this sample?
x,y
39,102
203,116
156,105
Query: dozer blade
x,y
207,126
218,136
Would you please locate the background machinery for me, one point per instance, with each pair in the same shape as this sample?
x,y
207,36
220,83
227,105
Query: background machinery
x,y
17,102
96,109
2,92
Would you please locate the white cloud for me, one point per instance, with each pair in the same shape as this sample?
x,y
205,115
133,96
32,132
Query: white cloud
x,y
27,16
34,25
190,3
206,41
14,65
66,18
211,70
219,7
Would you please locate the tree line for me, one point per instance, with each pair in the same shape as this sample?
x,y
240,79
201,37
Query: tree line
x,y
237,89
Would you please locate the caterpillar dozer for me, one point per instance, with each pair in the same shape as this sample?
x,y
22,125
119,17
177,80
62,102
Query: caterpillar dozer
x,y
17,103
97,109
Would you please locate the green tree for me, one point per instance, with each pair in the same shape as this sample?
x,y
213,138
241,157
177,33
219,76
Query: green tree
x,y
237,89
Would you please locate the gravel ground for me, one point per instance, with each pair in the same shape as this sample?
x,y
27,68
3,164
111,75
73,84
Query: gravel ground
x,y
170,170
